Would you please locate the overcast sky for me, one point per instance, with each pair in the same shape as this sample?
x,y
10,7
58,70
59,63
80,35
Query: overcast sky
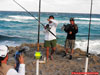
x,y
67,6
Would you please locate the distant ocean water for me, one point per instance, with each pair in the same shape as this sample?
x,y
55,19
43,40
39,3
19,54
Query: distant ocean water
x,y
19,27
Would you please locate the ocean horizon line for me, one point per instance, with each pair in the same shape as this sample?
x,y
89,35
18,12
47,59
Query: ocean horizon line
x,y
50,12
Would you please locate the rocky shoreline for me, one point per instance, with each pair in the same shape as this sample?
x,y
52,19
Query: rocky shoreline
x,y
60,65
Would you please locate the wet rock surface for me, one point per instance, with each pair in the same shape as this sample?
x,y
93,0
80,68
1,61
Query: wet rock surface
x,y
59,65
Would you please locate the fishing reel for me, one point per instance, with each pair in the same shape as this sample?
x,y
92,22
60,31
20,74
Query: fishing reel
x,y
48,27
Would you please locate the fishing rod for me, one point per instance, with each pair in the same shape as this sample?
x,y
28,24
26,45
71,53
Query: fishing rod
x,y
89,27
86,64
38,40
33,17
38,54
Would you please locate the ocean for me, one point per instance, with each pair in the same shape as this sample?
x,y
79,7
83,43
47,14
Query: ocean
x,y
19,27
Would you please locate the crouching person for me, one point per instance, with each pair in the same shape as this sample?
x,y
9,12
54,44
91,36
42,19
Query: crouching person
x,y
7,69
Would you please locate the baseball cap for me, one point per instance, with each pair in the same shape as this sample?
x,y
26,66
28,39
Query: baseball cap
x,y
71,19
51,16
3,50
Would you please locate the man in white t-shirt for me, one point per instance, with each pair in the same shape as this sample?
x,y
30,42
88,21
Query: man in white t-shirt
x,y
7,69
50,39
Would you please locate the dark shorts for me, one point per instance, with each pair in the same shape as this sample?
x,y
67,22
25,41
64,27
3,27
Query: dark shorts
x,y
69,44
51,43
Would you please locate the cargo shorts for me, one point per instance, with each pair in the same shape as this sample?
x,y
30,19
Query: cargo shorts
x,y
69,44
51,43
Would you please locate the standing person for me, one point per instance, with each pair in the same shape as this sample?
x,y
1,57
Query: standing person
x,y
7,69
50,39
71,30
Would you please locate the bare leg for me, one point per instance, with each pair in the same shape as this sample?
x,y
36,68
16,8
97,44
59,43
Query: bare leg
x,y
72,51
47,53
67,50
52,52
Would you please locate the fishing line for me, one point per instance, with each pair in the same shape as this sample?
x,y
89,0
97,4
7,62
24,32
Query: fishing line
x,y
34,17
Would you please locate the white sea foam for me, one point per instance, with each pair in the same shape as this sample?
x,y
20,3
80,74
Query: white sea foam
x,y
22,17
85,23
10,19
9,43
66,21
18,18
93,48
80,22
94,19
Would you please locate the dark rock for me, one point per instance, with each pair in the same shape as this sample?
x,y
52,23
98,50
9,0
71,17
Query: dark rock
x,y
59,65
98,55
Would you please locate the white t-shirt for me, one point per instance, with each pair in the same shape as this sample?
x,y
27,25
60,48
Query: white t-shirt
x,y
53,26
14,72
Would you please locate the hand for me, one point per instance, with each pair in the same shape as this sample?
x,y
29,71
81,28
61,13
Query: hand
x,y
70,32
15,66
44,27
76,27
48,19
21,59
62,28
